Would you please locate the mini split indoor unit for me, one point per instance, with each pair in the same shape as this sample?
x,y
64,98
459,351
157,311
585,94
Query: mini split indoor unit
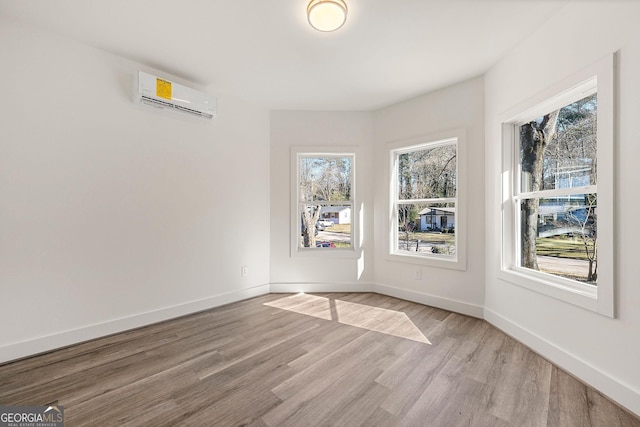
x,y
161,93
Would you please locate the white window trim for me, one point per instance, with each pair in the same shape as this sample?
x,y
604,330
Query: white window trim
x,y
600,298
356,213
459,262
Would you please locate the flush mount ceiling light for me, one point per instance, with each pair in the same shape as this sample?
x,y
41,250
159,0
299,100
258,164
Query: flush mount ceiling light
x,y
327,15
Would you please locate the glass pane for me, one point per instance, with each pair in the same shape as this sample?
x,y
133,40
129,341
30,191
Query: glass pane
x,y
427,173
331,226
558,150
426,229
325,178
559,236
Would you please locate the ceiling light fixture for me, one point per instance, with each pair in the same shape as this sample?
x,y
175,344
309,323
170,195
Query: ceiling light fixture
x,y
327,15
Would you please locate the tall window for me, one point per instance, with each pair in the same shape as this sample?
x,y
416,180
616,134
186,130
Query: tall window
x,y
325,202
426,216
557,193
558,216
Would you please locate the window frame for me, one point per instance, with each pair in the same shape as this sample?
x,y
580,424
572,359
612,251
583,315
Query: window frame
x,y
598,77
295,220
459,260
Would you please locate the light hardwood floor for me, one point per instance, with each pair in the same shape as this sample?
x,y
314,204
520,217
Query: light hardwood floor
x,y
305,360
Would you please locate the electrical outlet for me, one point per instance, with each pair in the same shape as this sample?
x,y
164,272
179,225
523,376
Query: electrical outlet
x,y
418,274
244,271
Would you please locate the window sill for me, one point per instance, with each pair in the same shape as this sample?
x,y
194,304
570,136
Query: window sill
x,y
440,262
584,296
330,253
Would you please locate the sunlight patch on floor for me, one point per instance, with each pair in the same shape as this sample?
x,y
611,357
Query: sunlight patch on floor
x,y
310,305
376,319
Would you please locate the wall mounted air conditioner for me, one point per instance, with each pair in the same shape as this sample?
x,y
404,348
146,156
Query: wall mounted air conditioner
x,y
161,93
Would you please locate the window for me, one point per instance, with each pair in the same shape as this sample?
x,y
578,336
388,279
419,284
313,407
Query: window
x,y
325,215
557,219
427,222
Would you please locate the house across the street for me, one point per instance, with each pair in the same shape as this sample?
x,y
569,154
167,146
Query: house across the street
x,y
437,218
336,214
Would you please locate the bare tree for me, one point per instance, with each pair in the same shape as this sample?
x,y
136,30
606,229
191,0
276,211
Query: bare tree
x,y
587,224
429,173
406,221
308,193
534,138
309,220
405,176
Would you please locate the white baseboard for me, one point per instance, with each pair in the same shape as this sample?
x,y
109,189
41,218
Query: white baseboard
x,y
421,298
431,300
614,388
279,288
63,339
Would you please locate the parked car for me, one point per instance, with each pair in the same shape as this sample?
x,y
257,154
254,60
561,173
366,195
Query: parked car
x,y
325,245
319,227
325,222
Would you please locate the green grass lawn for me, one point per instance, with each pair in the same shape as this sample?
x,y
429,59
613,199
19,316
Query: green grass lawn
x,y
428,236
340,228
342,245
561,247
433,237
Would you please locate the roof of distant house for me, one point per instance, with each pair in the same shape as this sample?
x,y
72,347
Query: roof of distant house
x,y
437,211
333,209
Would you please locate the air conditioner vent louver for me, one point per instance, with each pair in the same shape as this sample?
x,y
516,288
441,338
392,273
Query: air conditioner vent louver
x,y
166,104
161,93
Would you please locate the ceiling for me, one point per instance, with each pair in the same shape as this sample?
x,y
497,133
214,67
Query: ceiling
x,y
265,52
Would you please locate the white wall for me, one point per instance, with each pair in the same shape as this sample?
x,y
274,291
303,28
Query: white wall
x,y
324,130
601,351
111,215
457,107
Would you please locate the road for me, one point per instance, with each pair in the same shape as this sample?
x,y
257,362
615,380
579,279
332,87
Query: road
x,y
330,236
575,267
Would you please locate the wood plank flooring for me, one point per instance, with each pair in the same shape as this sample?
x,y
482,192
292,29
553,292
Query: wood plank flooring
x,y
352,359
